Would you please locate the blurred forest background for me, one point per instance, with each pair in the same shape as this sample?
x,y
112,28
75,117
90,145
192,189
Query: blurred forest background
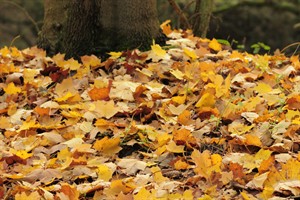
x,y
242,23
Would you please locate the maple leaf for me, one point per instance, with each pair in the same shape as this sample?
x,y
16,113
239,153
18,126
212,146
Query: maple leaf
x,y
68,191
32,196
105,109
165,26
212,163
104,173
91,61
108,146
142,194
12,89
131,166
215,45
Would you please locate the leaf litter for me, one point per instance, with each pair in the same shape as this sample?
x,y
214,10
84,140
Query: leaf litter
x,y
192,120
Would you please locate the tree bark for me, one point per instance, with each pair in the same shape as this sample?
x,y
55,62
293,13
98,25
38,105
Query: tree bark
x,y
97,26
201,18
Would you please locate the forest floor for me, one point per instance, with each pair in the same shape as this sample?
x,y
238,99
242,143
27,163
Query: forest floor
x,y
191,120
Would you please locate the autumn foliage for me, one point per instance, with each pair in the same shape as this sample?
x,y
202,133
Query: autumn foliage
x,y
191,120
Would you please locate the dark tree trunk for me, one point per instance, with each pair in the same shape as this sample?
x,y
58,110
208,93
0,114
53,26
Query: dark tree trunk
x,y
201,18
96,26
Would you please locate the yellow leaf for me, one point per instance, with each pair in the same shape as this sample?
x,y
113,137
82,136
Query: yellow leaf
x,y
188,195
67,96
116,187
251,103
90,61
245,196
205,197
158,177
206,100
103,123
64,154
29,75
12,89
70,114
239,128
179,99
292,114
4,122
215,45
108,146
106,109
206,163
115,55
158,50
71,64
180,165
104,172
21,153
263,88
4,52
177,73
31,196
172,147
163,139
190,53
28,125
252,140
143,194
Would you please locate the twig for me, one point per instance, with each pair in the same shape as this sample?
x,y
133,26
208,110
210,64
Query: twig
x,y
25,12
290,45
180,13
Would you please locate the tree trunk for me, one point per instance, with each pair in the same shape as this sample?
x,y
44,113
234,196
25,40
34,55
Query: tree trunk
x,y
97,26
201,18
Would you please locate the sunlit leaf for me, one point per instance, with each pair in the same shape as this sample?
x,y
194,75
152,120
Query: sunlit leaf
x,y
12,89
32,196
215,45
108,146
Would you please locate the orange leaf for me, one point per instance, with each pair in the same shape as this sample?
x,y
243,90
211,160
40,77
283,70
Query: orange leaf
x,y
99,93
103,122
266,164
293,102
185,118
252,140
165,26
69,191
180,165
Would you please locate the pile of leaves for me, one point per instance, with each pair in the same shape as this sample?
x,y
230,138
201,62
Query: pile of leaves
x,y
191,120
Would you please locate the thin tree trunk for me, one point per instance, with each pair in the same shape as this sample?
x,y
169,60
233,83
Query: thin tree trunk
x,y
201,17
